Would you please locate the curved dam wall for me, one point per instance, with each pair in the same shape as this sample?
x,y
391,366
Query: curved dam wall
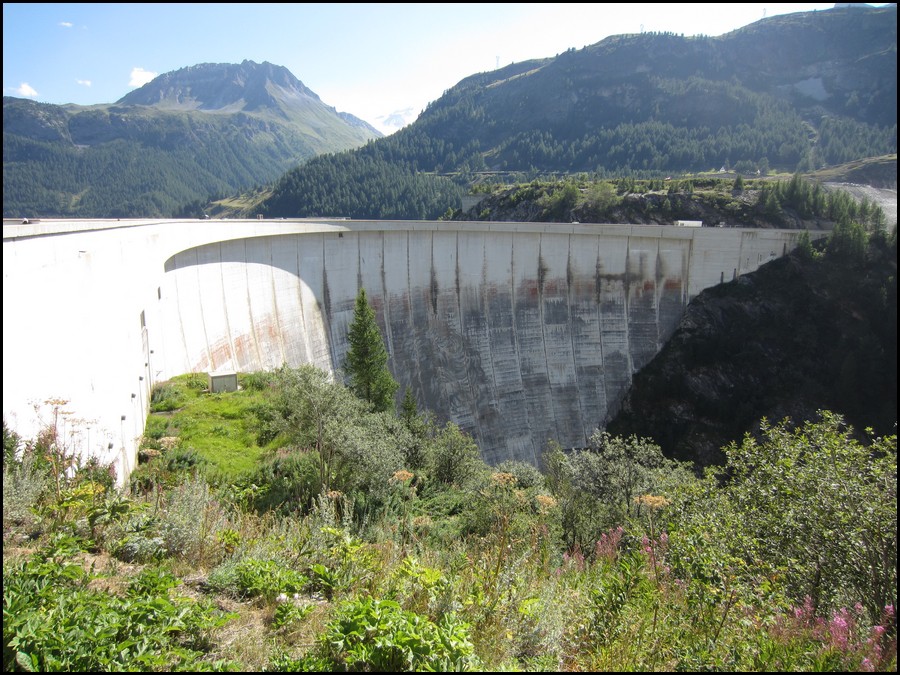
x,y
518,332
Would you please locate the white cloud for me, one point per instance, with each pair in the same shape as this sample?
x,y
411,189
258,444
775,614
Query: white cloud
x,y
65,24
27,90
85,83
140,77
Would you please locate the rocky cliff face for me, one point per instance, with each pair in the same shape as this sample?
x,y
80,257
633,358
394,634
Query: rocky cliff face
x,y
218,86
799,335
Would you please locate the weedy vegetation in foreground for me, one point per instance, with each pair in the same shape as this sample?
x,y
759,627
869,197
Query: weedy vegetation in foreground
x,y
288,527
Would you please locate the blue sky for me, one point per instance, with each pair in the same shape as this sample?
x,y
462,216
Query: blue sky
x,y
380,62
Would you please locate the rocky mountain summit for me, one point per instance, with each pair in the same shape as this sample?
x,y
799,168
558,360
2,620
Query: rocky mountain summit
x,y
221,86
211,129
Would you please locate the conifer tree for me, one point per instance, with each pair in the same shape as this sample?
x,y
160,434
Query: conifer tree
x,y
366,363
409,411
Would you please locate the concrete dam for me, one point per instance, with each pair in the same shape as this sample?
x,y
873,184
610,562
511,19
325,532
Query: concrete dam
x,y
518,332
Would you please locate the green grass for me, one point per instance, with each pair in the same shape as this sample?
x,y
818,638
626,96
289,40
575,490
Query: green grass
x,y
219,427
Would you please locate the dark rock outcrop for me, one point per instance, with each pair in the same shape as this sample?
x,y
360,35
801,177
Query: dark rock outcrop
x,y
799,335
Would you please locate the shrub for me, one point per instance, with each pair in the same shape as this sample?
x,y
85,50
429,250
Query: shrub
x,y
288,612
24,484
54,621
377,635
527,475
192,518
165,397
257,381
456,457
815,501
254,577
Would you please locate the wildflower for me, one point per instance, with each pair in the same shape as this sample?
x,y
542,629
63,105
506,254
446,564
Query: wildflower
x,y
545,502
652,502
608,544
402,476
839,629
282,597
503,479
807,611
866,666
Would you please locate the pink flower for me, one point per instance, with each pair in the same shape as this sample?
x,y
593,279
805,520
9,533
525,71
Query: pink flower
x,y
839,629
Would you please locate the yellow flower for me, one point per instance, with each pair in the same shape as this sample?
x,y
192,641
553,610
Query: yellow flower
x,y
651,501
402,476
502,479
545,502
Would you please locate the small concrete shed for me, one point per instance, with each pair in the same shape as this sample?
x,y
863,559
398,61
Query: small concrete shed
x,y
223,381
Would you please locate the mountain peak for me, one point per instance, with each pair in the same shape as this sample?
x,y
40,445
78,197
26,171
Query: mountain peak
x,y
247,86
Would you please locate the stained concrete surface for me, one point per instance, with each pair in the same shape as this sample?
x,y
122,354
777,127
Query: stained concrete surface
x,y
518,332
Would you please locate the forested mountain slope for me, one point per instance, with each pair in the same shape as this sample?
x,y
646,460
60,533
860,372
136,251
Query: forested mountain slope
x,y
790,93
199,132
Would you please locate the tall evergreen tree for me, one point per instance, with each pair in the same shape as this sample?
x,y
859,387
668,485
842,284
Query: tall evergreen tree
x,y
409,411
366,362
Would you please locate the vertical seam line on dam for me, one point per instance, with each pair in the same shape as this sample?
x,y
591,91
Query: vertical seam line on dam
x,y
254,328
515,333
570,279
658,280
282,345
412,328
626,307
485,302
386,304
228,319
540,304
207,356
